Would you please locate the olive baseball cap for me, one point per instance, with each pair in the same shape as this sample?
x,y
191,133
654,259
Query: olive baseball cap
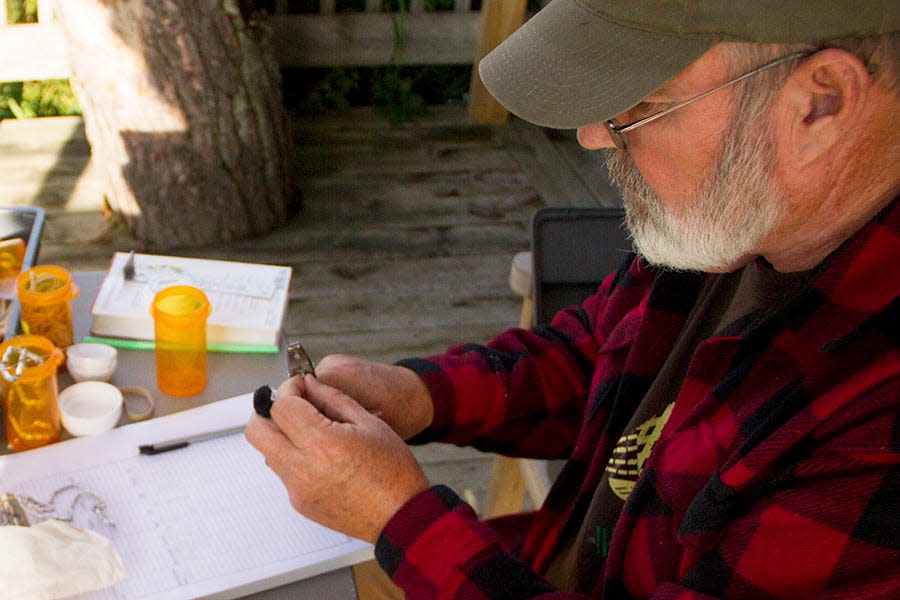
x,y
578,62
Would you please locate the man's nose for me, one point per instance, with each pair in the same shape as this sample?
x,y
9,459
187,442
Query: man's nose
x,y
595,137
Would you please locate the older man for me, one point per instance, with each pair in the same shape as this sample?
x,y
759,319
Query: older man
x,y
728,401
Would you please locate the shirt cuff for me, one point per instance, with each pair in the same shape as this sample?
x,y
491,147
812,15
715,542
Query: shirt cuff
x,y
440,388
429,541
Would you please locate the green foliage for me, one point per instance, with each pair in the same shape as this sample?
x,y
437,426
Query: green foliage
x,y
37,99
21,11
312,6
399,91
393,92
403,5
438,4
28,99
331,91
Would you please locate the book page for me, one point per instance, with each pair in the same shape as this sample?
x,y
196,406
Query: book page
x,y
209,519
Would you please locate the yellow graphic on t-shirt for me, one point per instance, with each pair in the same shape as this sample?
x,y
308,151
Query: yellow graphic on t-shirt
x,y
632,451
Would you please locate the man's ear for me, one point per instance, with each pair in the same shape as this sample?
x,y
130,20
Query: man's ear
x,y
822,103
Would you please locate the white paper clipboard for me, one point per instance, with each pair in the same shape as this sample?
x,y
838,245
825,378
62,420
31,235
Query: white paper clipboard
x,y
209,520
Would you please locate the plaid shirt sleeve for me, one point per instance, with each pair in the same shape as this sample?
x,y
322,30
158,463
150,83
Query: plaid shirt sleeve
x,y
436,547
546,371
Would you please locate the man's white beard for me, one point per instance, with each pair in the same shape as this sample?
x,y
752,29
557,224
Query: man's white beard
x,y
717,229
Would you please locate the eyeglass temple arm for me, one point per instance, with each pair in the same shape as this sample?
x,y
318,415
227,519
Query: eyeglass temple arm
x,y
649,118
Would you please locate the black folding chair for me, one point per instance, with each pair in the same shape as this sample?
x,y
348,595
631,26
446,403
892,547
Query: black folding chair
x,y
572,251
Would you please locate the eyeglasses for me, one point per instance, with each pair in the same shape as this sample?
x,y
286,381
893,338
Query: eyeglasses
x,y
617,132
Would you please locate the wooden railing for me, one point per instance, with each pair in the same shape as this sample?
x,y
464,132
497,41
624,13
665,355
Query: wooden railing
x,y
369,37
372,37
33,51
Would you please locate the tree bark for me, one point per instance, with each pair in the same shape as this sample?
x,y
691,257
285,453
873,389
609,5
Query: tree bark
x,y
182,108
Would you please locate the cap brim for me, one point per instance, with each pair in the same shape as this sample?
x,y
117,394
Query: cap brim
x,y
567,66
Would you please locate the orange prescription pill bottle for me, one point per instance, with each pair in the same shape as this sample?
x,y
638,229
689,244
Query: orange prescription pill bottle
x,y
28,365
179,323
45,298
12,253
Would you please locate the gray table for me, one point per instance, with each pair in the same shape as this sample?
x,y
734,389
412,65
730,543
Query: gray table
x,y
228,375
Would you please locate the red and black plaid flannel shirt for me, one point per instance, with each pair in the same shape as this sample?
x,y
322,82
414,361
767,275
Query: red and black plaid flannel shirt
x,y
777,475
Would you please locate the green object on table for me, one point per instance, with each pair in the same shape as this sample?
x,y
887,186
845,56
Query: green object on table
x,y
149,345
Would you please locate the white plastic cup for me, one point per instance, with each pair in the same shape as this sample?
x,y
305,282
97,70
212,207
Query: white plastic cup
x,y
91,362
90,407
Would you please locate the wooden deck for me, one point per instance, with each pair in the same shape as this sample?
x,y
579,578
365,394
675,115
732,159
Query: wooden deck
x,y
403,244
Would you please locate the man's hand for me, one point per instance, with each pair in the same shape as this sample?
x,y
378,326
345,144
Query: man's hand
x,y
342,466
396,394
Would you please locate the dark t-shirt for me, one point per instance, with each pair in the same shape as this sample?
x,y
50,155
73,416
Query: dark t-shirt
x,y
724,302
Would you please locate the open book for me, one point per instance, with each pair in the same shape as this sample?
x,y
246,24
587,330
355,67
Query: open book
x,y
248,300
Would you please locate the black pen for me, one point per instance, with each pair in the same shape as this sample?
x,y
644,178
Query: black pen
x,y
184,442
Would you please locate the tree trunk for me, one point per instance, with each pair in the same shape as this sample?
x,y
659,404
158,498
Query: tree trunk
x,y
182,108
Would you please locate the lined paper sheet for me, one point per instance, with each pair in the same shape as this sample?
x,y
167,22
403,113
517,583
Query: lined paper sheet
x,y
207,520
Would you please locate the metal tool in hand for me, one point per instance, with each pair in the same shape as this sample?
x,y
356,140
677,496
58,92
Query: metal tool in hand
x,y
298,360
299,363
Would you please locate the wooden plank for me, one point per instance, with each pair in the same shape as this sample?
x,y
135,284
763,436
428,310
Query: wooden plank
x,y
588,165
551,172
461,471
351,305
371,118
445,183
45,133
326,7
45,11
364,313
403,136
438,453
390,202
368,39
506,491
22,169
405,276
359,242
467,156
83,193
402,339
499,19
48,55
419,142
46,162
